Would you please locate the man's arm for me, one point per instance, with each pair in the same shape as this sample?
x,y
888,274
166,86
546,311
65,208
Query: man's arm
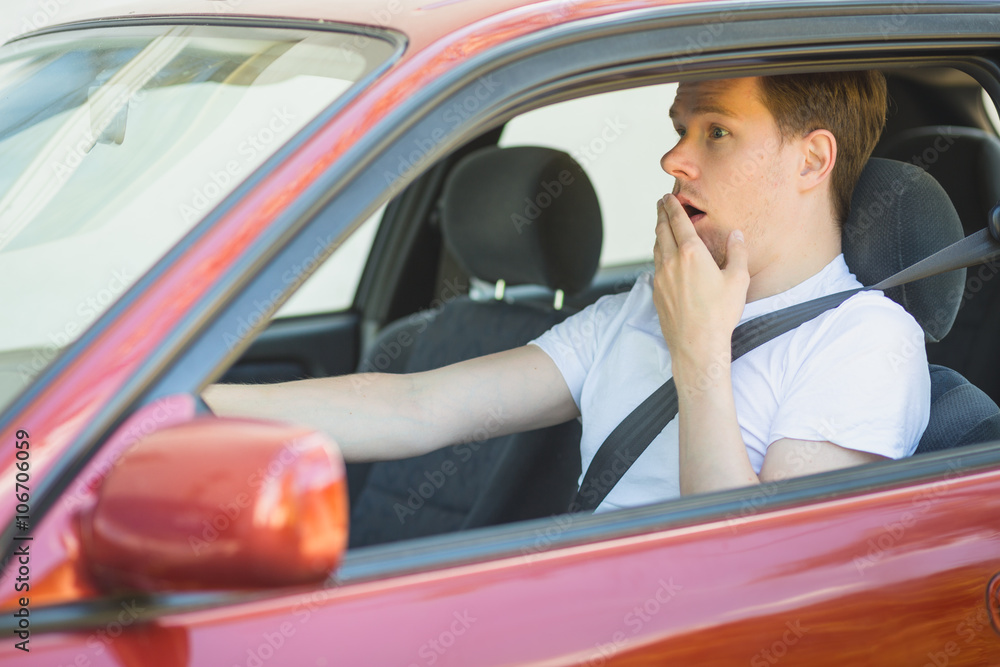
x,y
788,457
381,416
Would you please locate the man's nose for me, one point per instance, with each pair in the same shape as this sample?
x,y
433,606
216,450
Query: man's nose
x,y
679,163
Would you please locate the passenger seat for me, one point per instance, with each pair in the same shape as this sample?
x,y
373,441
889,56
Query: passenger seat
x,y
511,216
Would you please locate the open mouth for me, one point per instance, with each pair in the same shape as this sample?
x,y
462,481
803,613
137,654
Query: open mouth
x,y
695,214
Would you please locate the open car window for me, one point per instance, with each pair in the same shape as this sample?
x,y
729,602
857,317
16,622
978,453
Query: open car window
x,y
618,138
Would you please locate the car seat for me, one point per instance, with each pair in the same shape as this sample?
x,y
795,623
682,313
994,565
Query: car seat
x,y
899,215
966,162
510,216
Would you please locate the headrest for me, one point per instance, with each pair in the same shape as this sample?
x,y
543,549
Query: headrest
x,y
524,214
964,160
899,215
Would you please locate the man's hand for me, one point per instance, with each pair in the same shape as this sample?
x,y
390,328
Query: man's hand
x,y
698,303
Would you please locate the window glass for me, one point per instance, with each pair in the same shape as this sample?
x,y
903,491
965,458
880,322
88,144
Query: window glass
x,y
117,141
618,138
332,287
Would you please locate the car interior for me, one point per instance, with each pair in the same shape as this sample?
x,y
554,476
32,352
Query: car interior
x,y
493,245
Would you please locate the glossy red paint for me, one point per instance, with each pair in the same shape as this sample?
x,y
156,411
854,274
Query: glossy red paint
x,y
251,503
668,598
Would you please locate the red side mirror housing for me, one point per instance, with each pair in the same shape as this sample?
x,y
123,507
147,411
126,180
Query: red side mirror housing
x,y
219,503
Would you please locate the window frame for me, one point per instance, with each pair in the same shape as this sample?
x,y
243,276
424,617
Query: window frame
x,y
349,191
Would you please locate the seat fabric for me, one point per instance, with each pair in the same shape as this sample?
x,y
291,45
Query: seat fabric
x,y
525,215
899,215
961,414
966,162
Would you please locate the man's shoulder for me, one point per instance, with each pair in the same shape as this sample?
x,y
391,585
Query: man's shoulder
x,y
873,308
631,304
868,320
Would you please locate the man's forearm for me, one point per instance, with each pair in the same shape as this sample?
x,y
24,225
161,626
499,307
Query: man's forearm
x,y
712,453
377,416
370,416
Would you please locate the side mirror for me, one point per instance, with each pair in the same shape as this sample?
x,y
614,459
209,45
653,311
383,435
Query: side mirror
x,y
219,503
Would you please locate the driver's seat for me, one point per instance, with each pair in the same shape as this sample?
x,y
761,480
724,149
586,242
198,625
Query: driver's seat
x,y
899,215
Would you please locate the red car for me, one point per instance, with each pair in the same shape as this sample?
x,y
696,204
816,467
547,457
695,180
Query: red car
x,y
173,172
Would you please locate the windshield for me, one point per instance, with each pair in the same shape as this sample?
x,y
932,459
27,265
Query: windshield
x,y
114,142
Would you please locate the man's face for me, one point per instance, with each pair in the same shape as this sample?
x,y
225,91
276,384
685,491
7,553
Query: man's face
x,y
731,168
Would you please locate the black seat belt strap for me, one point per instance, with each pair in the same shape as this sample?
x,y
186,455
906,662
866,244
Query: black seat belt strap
x,y
634,434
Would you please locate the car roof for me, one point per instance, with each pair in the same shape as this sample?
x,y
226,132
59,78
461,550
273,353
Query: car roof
x,y
422,21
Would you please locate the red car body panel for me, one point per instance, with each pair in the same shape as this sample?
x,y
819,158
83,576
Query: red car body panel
x,y
694,608
863,559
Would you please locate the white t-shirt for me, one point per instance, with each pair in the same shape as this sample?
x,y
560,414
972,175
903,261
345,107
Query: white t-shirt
x,y
855,376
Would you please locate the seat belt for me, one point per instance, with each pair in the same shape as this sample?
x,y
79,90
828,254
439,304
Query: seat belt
x,y
634,434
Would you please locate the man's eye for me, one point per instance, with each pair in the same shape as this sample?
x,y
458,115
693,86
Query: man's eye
x,y
718,133
680,131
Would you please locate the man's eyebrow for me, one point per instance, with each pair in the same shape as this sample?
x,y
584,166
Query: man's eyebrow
x,y
706,108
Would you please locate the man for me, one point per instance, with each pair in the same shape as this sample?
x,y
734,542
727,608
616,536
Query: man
x,y
764,169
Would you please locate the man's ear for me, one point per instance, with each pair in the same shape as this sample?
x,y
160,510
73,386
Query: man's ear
x,y
819,154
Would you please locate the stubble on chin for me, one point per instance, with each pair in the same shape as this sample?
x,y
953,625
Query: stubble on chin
x,y
715,241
